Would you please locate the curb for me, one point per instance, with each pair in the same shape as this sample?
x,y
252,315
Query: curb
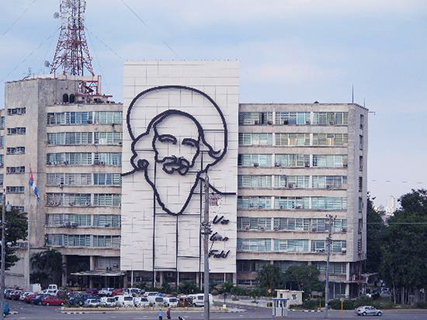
x,y
307,311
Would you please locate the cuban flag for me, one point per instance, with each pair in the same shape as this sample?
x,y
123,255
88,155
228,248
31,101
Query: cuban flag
x,y
32,185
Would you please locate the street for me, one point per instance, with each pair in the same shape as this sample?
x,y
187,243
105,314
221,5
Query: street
x,y
26,311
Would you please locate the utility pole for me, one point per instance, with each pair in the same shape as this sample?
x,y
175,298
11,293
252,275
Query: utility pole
x,y
206,230
3,252
328,256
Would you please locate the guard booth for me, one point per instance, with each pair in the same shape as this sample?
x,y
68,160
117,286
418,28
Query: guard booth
x,y
279,307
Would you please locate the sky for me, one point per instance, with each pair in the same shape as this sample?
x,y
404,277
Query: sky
x,y
290,51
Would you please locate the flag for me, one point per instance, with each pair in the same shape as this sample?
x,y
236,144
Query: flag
x,y
32,185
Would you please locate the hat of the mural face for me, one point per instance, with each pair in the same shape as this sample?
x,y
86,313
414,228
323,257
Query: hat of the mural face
x,y
152,106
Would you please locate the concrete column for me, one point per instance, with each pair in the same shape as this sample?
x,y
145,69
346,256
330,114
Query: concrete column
x,y
92,262
65,271
177,279
347,290
125,281
155,279
161,279
234,278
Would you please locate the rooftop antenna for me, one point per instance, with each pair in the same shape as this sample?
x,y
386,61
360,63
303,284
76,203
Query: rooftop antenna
x,y
72,53
352,94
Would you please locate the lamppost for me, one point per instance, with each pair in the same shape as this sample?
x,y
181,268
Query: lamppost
x,y
3,252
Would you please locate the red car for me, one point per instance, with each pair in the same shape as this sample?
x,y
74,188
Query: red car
x,y
117,292
28,298
52,301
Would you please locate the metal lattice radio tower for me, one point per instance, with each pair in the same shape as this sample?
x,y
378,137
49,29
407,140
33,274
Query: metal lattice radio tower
x,y
72,53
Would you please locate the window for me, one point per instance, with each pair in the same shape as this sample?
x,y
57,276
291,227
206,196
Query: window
x,y
255,160
290,245
16,111
284,265
2,122
253,245
70,158
361,163
360,184
108,117
245,223
292,160
360,205
108,138
254,202
15,150
254,181
1,179
106,220
328,203
360,226
337,246
291,203
330,161
69,138
329,182
292,139
18,208
330,139
255,118
330,118
108,158
20,169
334,267
76,240
291,224
69,179
255,139
107,179
106,200
2,142
361,142
69,118
16,131
293,118
362,121
15,189
292,182
68,199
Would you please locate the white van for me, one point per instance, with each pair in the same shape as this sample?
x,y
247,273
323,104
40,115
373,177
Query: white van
x,y
108,302
141,302
158,301
198,300
151,296
170,302
124,301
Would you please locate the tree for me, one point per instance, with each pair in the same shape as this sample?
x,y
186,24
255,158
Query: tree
x,y
304,278
48,267
270,277
404,250
16,229
375,234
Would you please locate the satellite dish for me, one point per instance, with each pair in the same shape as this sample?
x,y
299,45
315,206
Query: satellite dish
x,y
46,64
56,15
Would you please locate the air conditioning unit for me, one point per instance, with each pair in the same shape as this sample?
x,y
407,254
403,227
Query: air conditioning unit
x,y
307,164
331,123
89,121
270,122
313,229
343,250
96,162
102,163
345,165
276,228
307,122
87,204
256,122
286,122
277,164
103,141
169,274
344,229
291,185
256,164
261,228
247,228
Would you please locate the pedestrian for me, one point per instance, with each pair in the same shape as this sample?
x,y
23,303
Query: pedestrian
x,y
168,314
160,314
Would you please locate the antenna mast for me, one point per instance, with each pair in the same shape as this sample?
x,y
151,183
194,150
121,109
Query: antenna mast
x,y
72,53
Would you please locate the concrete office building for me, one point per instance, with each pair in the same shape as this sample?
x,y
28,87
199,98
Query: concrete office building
x,y
299,163
69,134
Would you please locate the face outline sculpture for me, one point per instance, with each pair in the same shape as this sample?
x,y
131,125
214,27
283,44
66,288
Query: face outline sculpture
x,y
174,147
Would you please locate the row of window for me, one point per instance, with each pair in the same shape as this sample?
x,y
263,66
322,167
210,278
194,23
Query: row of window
x,y
15,150
292,203
293,118
83,220
293,139
16,111
83,240
292,182
16,131
257,265
85,158
15,189
11,170
290,224
77,118
84,179
83,199
293,160
84,138
288,245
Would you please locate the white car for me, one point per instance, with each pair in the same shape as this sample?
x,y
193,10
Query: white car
x,y
92,303
368,311
133,292
170,302
141,302
124,301
198,299
106,292
108,302
151,296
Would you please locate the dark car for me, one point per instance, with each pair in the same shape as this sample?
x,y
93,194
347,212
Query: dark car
x,y
15,295
77,299
92,291
38,299
30,297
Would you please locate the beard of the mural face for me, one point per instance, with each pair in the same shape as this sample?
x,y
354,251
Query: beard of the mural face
x,y
173,164
173,191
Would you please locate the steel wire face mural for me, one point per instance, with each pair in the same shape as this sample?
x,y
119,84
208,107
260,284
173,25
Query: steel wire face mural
x,y
178,144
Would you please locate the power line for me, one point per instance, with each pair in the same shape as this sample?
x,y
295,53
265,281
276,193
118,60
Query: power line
x,y
17,19
148,27
103,42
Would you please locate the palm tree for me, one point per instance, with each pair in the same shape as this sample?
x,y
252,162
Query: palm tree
x,y
48,262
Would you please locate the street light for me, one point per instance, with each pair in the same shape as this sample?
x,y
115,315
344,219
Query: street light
x,y
3,250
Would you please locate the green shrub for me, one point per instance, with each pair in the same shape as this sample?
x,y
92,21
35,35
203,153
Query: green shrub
x,y
363,301
310,304
336,304
421,305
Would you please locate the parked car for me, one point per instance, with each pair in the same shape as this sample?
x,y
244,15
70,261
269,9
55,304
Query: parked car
x,y
7,293
151,296
77,299
124,301
92,302
52,301
134,292
116,292
141,302
197,300
106,292
158,301
37,299
29,298
108,302
368,311
15,295
170,302
24,295
92,291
